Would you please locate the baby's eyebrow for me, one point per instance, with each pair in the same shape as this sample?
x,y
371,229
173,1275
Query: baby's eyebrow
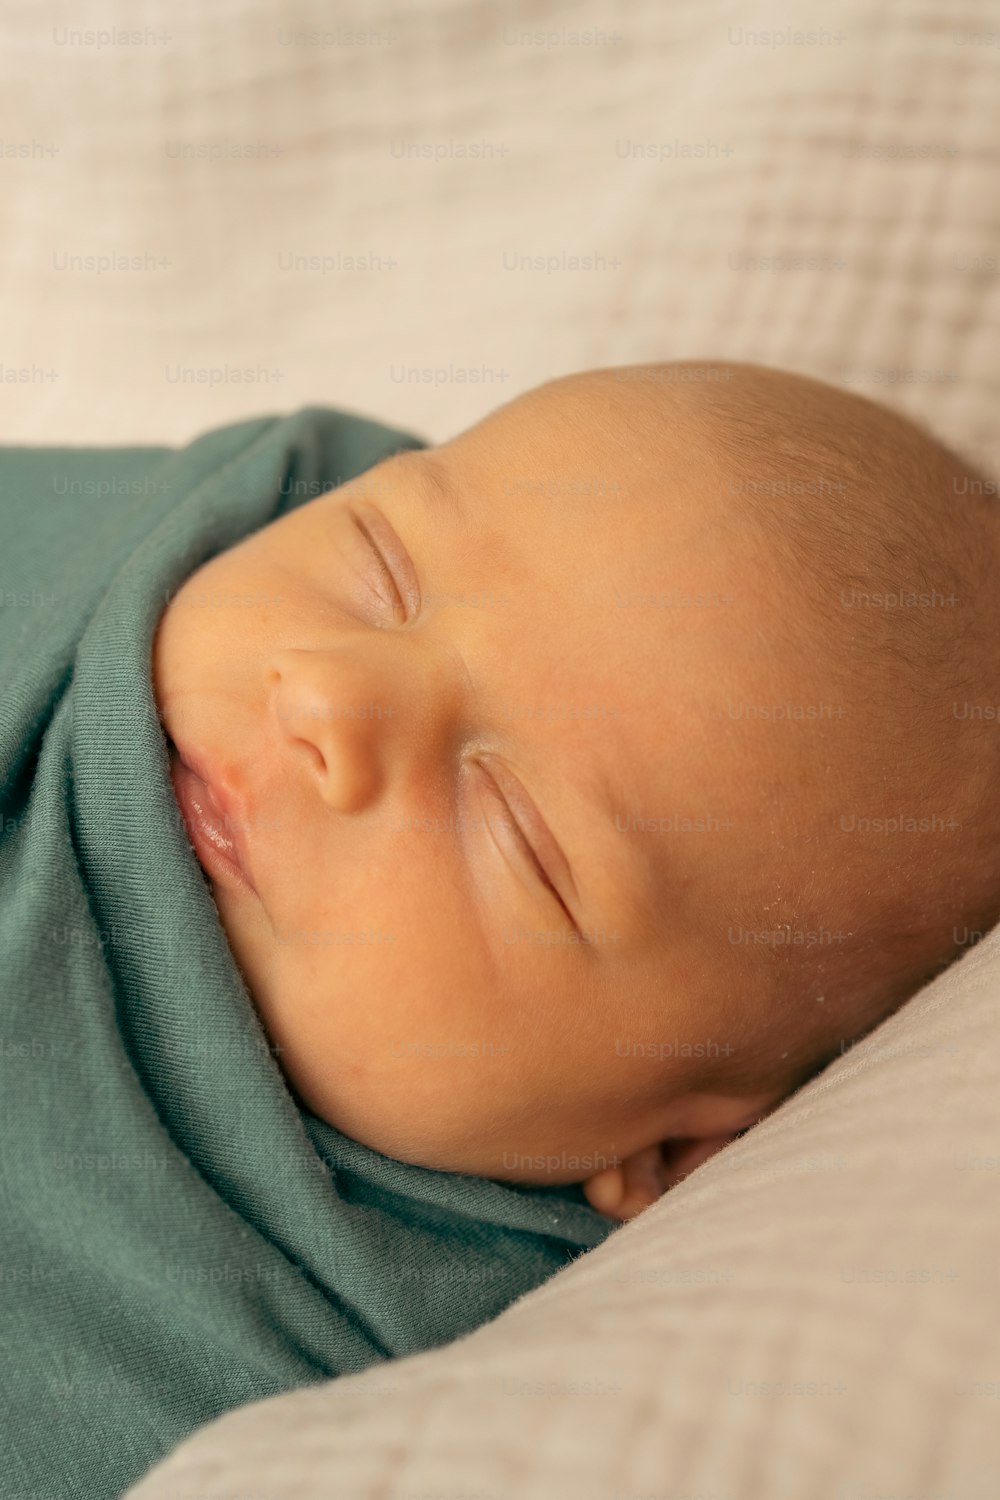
x,y
433,483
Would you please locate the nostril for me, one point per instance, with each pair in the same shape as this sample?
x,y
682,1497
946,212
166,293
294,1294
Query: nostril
x,y
316,754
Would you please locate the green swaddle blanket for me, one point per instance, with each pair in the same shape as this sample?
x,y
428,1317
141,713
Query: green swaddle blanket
x,y
178,1235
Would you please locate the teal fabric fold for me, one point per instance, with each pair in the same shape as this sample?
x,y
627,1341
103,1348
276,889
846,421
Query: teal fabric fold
x,y
178,1235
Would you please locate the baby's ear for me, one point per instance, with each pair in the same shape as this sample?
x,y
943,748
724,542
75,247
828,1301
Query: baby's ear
x,y
622,1192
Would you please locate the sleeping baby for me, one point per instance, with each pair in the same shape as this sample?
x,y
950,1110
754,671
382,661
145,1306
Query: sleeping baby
x,y
581,786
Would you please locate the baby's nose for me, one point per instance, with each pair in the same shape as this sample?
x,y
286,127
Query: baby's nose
x,y
331,723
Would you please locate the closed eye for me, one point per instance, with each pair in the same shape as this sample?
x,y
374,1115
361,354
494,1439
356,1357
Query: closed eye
x,y
394,564
527,853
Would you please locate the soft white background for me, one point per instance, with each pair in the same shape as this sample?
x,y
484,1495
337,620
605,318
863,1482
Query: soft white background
x,y
893,308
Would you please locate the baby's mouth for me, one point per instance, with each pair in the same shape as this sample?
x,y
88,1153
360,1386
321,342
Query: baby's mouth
x,y
209,818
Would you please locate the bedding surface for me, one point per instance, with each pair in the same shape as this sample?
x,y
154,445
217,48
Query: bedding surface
x,y
177,1235
418,211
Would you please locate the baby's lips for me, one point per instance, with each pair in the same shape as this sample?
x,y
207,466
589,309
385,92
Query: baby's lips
x,y
213,814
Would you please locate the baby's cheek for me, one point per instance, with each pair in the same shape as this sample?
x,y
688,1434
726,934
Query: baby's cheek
x,y
386,1023
325,1005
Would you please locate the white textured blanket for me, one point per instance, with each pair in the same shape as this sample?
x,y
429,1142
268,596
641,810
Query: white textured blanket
x,y
418,211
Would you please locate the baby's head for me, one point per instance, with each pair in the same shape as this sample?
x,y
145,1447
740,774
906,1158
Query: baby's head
x,y
697,632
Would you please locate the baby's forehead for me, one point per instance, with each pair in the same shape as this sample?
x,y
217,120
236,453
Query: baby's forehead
x,y
593,495
643,558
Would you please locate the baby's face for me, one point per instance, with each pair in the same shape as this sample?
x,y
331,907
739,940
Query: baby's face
x,y
473,712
